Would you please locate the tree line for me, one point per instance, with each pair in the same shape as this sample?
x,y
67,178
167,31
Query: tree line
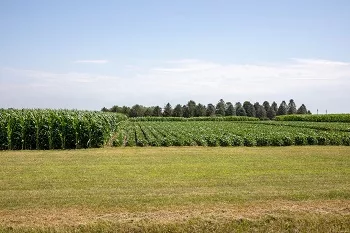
x,y
222,108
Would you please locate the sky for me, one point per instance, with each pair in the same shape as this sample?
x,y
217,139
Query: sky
x,y
92,54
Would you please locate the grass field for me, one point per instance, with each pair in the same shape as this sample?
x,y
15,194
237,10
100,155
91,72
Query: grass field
x,y
176,189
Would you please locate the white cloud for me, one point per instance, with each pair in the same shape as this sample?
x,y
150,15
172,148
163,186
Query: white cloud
x,y
320,84
92,61
320,62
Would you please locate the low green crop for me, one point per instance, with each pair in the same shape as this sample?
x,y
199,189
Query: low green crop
x,y
316,118
226,133
226,118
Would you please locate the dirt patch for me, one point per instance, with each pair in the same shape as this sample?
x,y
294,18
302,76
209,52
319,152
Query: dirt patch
x,y
80,216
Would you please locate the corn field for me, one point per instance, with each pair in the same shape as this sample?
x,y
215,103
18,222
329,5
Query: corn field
x,y
30,129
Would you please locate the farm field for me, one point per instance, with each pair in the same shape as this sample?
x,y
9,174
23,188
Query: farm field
x,y
176,189
43,129
230,133
29,129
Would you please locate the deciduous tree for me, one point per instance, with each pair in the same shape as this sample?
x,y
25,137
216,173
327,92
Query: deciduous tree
x,y
178,111
137,111
157,111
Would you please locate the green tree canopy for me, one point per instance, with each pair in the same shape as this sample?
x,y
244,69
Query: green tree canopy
x,y
266,105
168,110
282,109
220,108
274,106
292,108
178,111
302,109
210,110
240,111
157,111
249,109
200,110
261,112
137,111
230,109
191,108
271,114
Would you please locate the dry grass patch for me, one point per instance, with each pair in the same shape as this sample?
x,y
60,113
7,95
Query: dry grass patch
x,y
216,213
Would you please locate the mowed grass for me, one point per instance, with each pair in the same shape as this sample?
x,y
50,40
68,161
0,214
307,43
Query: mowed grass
x,y
161,189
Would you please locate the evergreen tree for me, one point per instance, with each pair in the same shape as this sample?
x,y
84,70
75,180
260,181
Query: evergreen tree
x,y
210,110
200,110
302,109
220,108
282,109
271,114
191,108
249,109
261,112
292,109
266,105
240,111
256,106
230,110
178,111
186,111
274,106
157,111
168,110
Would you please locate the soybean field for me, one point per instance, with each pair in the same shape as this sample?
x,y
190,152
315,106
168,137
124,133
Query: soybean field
x,y
230,133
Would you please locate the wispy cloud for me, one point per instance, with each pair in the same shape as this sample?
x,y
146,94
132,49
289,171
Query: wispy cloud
x,y
317,83
321,62
92,61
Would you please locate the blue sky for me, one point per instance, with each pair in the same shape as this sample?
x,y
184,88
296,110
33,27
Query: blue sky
x,y
90,54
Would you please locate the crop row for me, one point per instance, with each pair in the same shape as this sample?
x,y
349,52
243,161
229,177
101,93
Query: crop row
x,y
315,118
55,129
223,118
327,126
223,133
